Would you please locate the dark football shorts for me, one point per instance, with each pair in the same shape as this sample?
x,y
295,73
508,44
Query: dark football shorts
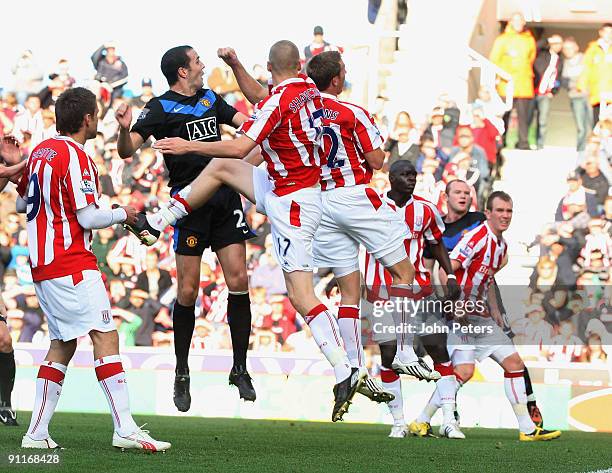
x,y
218,223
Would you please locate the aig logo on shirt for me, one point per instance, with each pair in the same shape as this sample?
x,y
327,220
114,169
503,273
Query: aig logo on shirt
x,y
202,129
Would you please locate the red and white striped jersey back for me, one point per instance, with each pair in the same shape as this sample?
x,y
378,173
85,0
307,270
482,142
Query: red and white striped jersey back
x,y
350,134
481,255
58,180
288,127
425,223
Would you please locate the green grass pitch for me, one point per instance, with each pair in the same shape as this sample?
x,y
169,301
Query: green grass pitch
x,y
234,445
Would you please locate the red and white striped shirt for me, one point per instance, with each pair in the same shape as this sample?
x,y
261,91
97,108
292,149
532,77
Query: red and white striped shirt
x,y
481,255
350,134
58,180
425,223
287,125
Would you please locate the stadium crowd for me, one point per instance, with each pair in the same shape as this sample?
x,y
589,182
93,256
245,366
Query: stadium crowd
x,y
568,314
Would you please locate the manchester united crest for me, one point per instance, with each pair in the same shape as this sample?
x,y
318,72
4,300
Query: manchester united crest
x,y
205,102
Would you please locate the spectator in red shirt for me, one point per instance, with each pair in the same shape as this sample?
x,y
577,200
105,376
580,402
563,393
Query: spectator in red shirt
x,y
485,135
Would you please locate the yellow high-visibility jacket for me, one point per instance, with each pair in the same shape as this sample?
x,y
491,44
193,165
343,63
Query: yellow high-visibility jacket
x,y
514,53
596,78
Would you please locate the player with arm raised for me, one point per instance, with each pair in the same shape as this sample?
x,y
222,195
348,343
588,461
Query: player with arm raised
x,y
352,213
59,194
196,114
476,258
288,127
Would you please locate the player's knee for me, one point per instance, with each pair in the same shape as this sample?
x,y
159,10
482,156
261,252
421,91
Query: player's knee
x,y
237,280
465,372
513,363
187,294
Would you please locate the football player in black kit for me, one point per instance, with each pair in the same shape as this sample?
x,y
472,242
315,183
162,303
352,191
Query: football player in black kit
x,y
458,221
190,111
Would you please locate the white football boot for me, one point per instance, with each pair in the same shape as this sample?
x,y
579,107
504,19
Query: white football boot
x,y
418,368
48,443
398,431
451,431
140,440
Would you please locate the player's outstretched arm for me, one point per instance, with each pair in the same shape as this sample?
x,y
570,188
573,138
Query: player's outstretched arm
x,y
128,142
252,90
93,217
237,148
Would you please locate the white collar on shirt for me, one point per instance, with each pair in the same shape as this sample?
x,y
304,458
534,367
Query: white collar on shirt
x,y
67,138
328,96
291,80
497,240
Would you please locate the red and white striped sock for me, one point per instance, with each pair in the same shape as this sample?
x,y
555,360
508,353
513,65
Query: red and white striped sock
x,y
48,389
404,322
391,382
514,385
447,390
326,334
350,331
111,377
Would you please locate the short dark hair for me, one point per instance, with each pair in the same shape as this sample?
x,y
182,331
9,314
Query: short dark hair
x,y
605,25
172,60
400,165
449,186
71,108
497,195
323,67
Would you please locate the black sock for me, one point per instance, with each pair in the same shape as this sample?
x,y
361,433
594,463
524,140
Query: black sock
x,y
239,319
7,377
183,320
531,401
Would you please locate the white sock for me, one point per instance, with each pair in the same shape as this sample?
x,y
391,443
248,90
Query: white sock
x,y
350,331
48,389
391,382
176,209
431,408
403,320
446,387
514,385
111,377
326,334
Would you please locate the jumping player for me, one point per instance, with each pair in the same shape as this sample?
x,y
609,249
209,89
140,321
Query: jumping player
x,y
194,113
59,194
288,127
425,225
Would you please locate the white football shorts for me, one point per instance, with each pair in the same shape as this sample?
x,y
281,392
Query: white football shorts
x,y
294,219
75,305
352,216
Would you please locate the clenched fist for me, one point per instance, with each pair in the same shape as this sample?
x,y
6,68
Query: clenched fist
x,y
124,115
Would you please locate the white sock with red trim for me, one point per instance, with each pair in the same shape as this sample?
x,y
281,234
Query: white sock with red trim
x,y
326,333
403,321
514,385
349,323
111,377
446,387
48,389
435,401
176,209
391,382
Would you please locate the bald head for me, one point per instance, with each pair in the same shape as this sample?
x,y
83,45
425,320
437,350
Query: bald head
x,y
284,58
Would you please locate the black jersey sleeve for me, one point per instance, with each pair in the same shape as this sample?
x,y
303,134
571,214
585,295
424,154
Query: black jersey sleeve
x,y
150,121
225,111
